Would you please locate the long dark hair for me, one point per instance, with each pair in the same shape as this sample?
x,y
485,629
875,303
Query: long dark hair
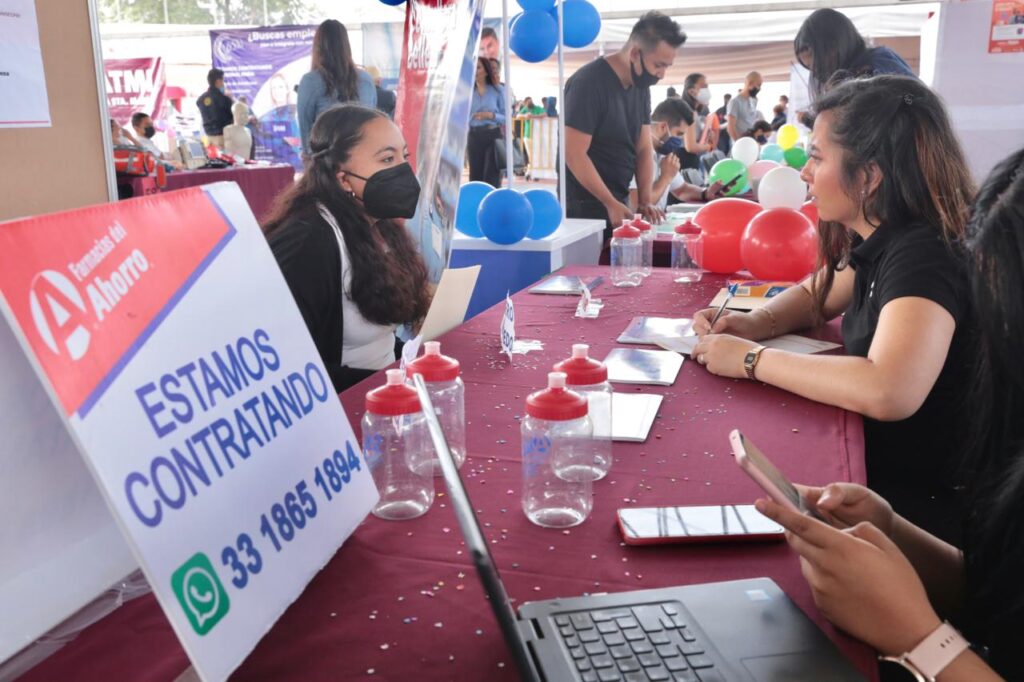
x,y
994,460
834,44
691,82
332,58
389,285
491,70
899,125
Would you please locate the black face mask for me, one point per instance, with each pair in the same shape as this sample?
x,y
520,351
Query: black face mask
x,y
149,131
391,193
645,78
753,91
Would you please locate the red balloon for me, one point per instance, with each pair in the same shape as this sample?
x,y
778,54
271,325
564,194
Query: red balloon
x,y
810,209
780,244
722,223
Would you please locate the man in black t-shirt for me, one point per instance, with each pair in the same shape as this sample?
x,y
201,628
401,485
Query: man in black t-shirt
x,y
215,106
607,120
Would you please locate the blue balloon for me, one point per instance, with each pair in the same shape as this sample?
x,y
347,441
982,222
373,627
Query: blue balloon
x,y
393,3
534,36
582,23
505,216
773,152
542,5
470,196
547,213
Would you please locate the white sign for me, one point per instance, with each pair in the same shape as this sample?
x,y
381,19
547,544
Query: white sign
x,y
198,400
23,99
508,328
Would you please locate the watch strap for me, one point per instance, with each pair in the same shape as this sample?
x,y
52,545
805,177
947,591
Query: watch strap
x,y
750,361
933,654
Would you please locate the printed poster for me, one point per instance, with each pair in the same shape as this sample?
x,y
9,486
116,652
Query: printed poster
x,y
1007,26
23,99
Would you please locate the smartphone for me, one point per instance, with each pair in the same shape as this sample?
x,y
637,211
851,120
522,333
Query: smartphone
x,y
718,523
765,474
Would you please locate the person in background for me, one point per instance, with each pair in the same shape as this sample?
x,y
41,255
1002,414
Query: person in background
x,y
237,138
144,129
332,80
386,100
702,137
215,108
892,201
550,106
724,141
889,583
830,47
779,112
279,125
607,124
121,137
528,108
672,93
252,125
761,131
487,115
669,123
742,112
338,238
490,48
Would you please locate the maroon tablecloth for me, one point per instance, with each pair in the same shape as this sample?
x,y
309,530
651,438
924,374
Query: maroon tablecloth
x,y
259,184
400,600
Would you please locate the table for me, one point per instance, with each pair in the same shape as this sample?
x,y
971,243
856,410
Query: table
x,y
259,184
507,269
400,601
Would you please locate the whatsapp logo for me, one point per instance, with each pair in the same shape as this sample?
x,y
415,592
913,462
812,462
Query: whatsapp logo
x,y
200,593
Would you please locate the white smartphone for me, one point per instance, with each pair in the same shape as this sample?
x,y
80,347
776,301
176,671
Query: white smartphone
x,y
764,473
717,523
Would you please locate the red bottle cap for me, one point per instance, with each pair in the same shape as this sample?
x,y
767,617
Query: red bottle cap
x,y
581,369
626,232
687,228
639,223
394,398
556,402
432,365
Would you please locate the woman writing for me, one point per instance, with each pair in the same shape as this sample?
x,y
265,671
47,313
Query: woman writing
x,y
354,272
892,201
334,78
487,115
888,582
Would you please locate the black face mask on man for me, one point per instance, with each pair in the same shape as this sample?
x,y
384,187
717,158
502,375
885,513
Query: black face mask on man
x,y
390,193
645,78
753,91
149,131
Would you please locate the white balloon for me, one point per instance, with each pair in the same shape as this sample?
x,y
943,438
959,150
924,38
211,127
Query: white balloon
x,y
782,188
746,150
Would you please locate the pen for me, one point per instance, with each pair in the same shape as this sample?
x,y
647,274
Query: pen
x,y
721,308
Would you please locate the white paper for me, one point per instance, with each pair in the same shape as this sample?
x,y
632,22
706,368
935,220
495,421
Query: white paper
x,y
588,307
791,343
23,99
451,300
648,329
410,349
633,415
635,366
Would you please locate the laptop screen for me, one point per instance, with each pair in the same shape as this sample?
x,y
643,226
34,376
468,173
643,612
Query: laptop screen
x,y
475,541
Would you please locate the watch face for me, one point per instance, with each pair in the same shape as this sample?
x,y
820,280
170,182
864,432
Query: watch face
x,y
749,357
892,671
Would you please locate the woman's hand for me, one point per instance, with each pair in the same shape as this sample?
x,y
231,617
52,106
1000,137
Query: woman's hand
x,y
723,354
860,580
847,504
751,326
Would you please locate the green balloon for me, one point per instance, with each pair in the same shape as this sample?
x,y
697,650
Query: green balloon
x,y
728,170
795,157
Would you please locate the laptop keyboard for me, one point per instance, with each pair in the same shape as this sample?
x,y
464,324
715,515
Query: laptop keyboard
x,y
650,642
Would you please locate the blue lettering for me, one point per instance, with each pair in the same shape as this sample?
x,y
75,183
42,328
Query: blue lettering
x,y
270,356
243,345
190,466
211,383
154,471
184,416
135,478
153,410
311,372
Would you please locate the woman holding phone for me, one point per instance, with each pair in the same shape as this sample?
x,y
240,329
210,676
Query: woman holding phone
x,y
888,582
892,191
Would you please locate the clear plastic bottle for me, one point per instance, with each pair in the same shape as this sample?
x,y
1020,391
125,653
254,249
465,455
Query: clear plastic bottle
x,y
448,394
398,449
589,378
626,256
556,433
647,236
687,253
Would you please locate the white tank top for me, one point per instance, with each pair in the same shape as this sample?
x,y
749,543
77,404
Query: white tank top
x,y
364,345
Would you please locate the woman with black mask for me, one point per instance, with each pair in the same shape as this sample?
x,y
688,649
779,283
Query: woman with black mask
x,y
830,47
348,260
699,139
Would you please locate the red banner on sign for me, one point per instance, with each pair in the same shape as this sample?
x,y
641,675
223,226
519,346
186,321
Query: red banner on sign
x,y
88,287
1007,31
135,85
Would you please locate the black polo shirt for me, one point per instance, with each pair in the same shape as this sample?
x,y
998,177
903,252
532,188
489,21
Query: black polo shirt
x,y
912,462
596,104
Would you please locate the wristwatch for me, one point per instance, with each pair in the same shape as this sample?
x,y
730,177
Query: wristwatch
x,y
750,361
933,654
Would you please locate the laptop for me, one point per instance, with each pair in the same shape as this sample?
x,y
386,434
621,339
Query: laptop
x,y
743,630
